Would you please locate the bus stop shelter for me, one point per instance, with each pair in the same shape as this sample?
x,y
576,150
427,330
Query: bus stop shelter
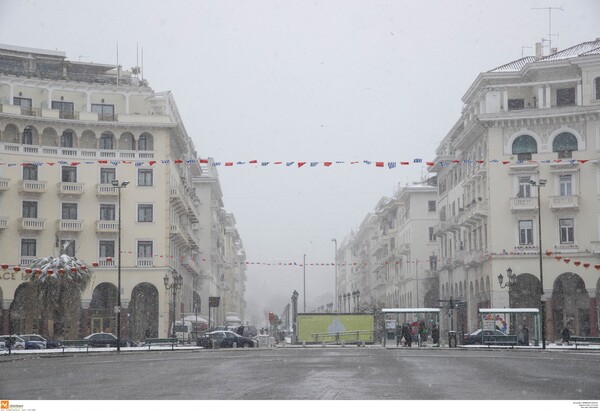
x,y
421,322
523,323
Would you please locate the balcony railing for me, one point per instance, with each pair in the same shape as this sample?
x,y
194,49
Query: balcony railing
x,y
70,225
144,262
564,202
33,186
33,224
70,188
27,260
523,203
106,262
3,222
107,190
4,183
52,151
107,226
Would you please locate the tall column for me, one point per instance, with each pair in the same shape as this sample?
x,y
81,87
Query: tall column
x,y
548,96
505,100
124,319
549,319
593,313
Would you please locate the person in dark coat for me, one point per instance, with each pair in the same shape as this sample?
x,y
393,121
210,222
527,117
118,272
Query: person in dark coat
x,y
398,334
566,335
407,335
435,334
525,335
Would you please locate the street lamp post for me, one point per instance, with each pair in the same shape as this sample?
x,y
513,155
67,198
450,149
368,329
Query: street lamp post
x,y
538,184
335,268
512,281
175,285
119,186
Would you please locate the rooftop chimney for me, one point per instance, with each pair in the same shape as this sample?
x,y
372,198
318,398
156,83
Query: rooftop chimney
x,y
538,51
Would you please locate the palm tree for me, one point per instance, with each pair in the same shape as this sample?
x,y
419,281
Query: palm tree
x,y
59,282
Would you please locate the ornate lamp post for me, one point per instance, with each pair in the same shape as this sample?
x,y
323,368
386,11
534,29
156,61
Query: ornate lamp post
x,y
175,285
119,186
541,183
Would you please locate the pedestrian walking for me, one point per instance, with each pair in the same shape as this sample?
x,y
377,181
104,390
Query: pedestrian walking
x,y
435,335
407,335
566,335
398,334
525,335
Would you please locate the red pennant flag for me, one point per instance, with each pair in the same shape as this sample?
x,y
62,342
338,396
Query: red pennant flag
x,y
548,253
301,163
253,161
278,162
583,161
203,161
404,163
597,266
75,163
103,161
567,260
327,163
558,161
456,161
178,161
152,162
430,163
479,161
379,164
505,162
125,162
229,164
558,258
577,263
586,265
50,164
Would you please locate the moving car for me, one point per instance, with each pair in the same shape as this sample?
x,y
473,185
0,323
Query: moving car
x,y
225,339
41,340
476,337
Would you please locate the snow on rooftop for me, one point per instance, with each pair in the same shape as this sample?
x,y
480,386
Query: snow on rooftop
x,y
516,65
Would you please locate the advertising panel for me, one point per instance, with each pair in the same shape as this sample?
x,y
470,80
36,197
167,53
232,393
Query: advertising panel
x,y
326,327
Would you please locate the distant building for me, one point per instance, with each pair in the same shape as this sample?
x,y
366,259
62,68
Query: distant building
x,y
69,129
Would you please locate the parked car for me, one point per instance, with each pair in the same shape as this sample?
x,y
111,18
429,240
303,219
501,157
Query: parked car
x,y
40,339
17,342
108,339
225,339
476,337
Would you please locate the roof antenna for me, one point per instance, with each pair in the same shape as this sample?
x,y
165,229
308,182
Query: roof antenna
x,y
549,40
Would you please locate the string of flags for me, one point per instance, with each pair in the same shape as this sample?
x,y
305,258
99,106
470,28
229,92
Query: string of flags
x,y
296,164
110,260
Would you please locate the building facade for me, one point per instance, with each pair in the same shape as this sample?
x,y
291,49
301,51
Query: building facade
x,y
70,131
522,147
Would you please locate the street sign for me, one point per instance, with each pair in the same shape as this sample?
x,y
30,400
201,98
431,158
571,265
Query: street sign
x,y
213,301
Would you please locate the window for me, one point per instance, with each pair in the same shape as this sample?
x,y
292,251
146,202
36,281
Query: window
x,y
524,187
66,139
144,213
516,104
69,174
431,235
145,178
525,232
106,112
30,172
23,102
106,141
66,108
431,205
27,137
107,248
144,249
597,82
67,247
28,247
524,145
69,211
565,183
144,142
566,228
565,97
107,175
30,209
107,212
564,144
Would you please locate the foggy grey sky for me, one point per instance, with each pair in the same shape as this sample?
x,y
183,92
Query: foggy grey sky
x,y
304,81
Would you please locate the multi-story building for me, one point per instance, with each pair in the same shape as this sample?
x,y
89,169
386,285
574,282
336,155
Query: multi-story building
x,y
387,261
520,148
72,134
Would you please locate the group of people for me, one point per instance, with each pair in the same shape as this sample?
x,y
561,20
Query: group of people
x,y
416,332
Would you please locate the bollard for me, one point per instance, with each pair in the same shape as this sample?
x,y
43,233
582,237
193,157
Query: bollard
x,y
234,345
343,344
303,344
323,344
283,343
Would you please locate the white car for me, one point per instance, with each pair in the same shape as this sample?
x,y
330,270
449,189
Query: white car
x,y
37,338
17,342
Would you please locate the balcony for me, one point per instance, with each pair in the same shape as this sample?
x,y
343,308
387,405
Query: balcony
x,y
33,186
70,225
178,234
32,224
26,260
107,226
106,190
564,202
106,262
4,183
70,188
192,265
3,222
523,204
144,262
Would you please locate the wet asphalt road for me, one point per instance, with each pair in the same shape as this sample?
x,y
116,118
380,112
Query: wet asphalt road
x,y
367,373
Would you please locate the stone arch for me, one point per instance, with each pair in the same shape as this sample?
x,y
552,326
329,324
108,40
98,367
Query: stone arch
x,y
102,317
49,137
143,309
526,292
88,140
107,141
145,142
523,142
22,299
126,141
68,138
10,134
566,139
30,136
430,300
570,305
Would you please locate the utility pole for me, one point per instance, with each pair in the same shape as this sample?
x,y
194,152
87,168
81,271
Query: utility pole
x,y
549,23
